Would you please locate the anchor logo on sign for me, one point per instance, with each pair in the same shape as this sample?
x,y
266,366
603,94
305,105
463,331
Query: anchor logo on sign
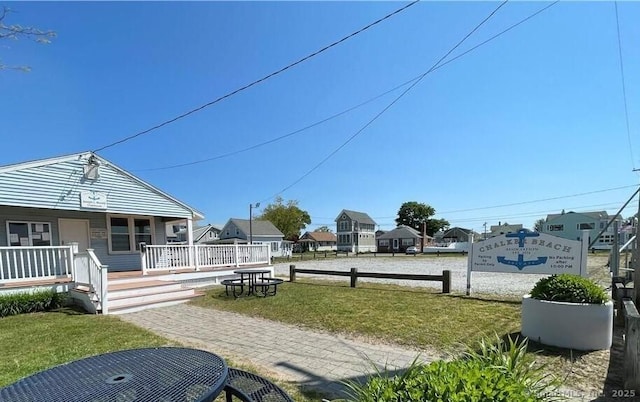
x,y
520,263
93,196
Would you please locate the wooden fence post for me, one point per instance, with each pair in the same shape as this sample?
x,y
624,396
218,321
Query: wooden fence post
x,y
354,277
292,273
446,281
631,347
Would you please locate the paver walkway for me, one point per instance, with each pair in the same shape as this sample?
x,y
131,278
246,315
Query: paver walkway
x,y
315,360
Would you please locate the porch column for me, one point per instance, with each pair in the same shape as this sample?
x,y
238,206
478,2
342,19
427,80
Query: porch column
x,y
191,252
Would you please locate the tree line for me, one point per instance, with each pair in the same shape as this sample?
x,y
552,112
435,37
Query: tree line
x,y
291,220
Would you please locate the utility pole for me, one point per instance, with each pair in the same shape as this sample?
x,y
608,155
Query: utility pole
x,y
635,261
251,206
485,231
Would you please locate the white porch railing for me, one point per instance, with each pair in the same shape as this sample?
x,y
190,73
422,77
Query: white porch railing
x,y
172,257
35,263
90,272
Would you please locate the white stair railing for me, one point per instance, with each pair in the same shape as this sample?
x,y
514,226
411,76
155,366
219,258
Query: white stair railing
x,y
90,272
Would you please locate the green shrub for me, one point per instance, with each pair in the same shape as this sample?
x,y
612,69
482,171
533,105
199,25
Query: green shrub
x,y
20,303
497,371
569,288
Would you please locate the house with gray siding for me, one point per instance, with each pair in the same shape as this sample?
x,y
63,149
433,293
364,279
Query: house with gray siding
x,y
356,232
85,199
262,232
570,225
398,239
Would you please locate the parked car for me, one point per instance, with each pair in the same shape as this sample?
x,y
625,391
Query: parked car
x,y
412,250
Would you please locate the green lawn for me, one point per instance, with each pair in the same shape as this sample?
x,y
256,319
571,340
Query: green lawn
x,y
409,316
35,342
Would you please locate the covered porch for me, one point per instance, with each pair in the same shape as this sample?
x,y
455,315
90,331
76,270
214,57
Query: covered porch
x,y
170,274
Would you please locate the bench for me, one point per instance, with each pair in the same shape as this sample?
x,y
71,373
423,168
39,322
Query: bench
x,y
263,287
233,284
249,387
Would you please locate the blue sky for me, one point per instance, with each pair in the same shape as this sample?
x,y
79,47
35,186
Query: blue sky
x,y
535,114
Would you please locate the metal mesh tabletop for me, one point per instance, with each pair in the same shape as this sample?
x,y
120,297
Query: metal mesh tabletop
x,y
154,374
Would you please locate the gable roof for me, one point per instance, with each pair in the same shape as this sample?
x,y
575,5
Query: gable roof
x,y
258,227
199,232
593,215
401,232
43,175
320,236
359,217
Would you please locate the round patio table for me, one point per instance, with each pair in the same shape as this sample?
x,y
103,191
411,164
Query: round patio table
x,y
252,275
152,374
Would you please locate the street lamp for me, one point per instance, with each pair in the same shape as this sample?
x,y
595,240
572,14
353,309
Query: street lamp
x,y
251,206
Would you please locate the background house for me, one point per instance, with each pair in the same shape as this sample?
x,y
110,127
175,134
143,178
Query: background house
x,y
208,234
85,199
263,232
503,228
318,241
398,239
355,232
453,235
570,225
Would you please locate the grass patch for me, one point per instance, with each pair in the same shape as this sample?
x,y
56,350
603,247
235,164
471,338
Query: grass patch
x,y
38,341
388,313
34,342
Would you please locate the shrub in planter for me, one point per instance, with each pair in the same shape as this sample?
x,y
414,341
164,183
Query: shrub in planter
x,y
498,371
569,288
568,311
20,303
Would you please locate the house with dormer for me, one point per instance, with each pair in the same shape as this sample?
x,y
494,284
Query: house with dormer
x,y
355,232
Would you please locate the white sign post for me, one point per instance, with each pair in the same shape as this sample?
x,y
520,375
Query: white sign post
x,y
527,252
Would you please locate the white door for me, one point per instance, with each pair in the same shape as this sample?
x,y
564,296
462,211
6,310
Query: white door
x,y
74,230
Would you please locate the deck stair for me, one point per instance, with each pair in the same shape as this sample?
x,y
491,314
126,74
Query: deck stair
x,y
127,295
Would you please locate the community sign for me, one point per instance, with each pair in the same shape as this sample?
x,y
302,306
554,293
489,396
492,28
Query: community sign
x,y
528,252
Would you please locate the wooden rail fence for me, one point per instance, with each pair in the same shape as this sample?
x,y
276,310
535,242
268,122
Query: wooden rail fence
x,y
628,317
445,278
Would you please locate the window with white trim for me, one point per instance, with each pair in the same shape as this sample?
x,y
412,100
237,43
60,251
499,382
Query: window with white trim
x,y
407,242
586,226
28,234
383,242
275,246
127,232
556,228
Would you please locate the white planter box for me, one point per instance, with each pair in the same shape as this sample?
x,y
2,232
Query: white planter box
x,y
568,325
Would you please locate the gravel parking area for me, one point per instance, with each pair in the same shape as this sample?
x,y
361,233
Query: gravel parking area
x,y
481,282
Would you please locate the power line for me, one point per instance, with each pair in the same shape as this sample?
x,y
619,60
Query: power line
x,y
298,131
540,200
266,77
393,102
276,139
624,88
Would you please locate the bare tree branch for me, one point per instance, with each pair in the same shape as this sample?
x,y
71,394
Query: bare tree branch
x,y
16,31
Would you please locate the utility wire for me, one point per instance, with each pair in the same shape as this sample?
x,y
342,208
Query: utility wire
x,y
266,77
298,131
624,88
525,202
393,102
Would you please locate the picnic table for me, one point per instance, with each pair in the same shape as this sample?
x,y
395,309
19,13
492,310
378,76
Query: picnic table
x,y
254,281
150,374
